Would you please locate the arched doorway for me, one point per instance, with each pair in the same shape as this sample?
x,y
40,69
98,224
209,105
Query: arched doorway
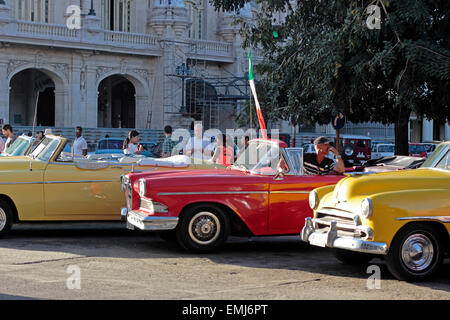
x,y
24,87
116,103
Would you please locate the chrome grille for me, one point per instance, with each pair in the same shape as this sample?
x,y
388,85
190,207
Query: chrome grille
x,y
345,220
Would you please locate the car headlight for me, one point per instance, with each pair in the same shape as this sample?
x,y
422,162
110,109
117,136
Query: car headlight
x,y
366,208
142,187
313,200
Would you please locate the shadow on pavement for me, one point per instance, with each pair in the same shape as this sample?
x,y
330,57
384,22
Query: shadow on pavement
x,y
115,241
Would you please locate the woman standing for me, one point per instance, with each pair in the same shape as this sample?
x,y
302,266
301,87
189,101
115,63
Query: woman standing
x,y
131,145
224,153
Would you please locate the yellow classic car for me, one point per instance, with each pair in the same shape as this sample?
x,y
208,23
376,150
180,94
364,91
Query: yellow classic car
x,y
402,216
49,184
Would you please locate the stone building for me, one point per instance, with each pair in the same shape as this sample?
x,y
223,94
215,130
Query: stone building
x,y
131,64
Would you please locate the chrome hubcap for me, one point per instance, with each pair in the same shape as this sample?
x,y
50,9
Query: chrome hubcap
x,y
204,228
2,219
417,252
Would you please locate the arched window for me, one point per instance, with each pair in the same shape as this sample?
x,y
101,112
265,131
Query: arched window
x,y
32,10
117,15
196,16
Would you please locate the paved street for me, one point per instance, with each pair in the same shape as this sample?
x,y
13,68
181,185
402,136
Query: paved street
x,y
119,264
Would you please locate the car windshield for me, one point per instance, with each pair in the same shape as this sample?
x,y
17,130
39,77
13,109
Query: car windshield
x,y
417,148
19,147
445,162
110,144
436,156
46,148
260,157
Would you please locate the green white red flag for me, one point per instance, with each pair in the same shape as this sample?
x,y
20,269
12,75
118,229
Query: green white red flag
x,y
251,79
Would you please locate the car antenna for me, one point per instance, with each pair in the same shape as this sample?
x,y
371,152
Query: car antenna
x,y
34,124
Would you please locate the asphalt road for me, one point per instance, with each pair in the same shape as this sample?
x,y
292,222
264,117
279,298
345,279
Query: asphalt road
x,y
43,262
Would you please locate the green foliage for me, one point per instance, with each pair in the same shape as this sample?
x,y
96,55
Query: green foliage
x,y
328,59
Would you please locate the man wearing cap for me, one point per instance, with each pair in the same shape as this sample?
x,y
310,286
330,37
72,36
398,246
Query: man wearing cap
x,y
318,164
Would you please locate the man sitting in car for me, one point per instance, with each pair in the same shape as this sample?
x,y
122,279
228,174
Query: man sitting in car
x,y
318,164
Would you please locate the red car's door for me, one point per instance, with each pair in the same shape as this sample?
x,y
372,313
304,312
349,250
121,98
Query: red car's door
x,y
288,201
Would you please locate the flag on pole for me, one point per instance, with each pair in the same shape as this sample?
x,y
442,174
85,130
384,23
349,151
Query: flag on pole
x,y
251,79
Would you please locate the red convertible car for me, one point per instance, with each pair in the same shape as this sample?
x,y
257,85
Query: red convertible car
x,y
263,193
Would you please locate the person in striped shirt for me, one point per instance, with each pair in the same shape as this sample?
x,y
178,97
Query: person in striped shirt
x,y
318,164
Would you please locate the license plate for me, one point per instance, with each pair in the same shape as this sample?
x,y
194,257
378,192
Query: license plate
x,y
319,240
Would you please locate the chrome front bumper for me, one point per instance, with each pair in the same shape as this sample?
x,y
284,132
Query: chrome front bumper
x,y
331,239
149,223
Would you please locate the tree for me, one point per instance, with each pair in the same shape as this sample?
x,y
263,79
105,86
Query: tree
x,y
328,59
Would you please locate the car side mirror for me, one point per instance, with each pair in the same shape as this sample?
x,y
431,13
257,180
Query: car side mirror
x,y
279,175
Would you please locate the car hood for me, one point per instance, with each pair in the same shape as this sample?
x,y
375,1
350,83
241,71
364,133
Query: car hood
x,y
391,182
205,180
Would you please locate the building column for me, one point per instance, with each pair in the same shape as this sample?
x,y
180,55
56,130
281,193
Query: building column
x,y
427,130
77,97
90,110
4,94
447,131
60,108
142,112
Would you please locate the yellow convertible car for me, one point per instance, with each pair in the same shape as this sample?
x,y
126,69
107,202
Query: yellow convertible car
x,y
51,185
403,216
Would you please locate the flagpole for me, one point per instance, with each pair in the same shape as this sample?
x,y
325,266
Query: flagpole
x,y
262,124
251,113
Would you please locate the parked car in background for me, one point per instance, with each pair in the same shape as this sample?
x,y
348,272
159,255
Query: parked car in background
x,y
109,146
393,163
355,149
417,150
402,216
381,150
264,193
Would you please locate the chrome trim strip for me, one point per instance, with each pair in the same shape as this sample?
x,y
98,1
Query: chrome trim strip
x,y
54,182
86,181
210,192
14,183
445,219
290,191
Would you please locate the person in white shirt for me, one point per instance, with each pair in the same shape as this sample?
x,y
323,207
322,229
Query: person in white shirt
x,y
79,145
131,144
197,146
